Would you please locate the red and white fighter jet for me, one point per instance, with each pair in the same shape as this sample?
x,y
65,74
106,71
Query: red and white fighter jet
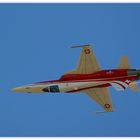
x,y
89,79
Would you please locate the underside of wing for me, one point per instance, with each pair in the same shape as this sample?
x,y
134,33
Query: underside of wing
x,y
101,97
87,62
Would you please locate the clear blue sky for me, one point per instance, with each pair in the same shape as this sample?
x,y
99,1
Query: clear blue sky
x,y
35,42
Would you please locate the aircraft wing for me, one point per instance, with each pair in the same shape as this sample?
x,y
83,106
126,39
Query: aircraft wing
x,y
101,97
87,62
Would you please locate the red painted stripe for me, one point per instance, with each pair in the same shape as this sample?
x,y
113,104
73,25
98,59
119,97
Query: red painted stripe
x,y
89,80
120,84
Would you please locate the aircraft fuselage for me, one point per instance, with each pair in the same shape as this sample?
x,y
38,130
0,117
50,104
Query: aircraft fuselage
x,y
78,82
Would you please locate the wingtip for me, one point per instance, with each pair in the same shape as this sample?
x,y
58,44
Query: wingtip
x,y
80,46
100,112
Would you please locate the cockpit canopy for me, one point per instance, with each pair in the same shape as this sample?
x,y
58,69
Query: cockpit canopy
x,y
53,88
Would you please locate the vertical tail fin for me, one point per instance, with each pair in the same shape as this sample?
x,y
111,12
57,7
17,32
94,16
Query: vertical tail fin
x,y
124,64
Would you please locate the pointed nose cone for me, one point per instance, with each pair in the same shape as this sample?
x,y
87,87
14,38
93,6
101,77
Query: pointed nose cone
x,y
28,89
19,89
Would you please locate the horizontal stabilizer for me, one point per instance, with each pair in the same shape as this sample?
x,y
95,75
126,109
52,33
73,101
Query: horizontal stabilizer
x,y
133,86
124,64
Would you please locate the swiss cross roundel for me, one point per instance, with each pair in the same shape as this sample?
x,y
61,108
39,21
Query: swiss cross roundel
x,y
87,51
107,105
